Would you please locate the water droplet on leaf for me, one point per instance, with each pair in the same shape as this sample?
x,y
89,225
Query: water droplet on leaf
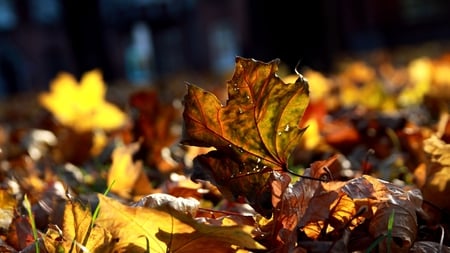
x,y
287,128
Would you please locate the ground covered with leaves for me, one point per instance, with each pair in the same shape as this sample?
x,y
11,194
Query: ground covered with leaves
x,y
263,160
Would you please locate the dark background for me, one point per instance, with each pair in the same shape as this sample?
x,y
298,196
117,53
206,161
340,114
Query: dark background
x,y
39,38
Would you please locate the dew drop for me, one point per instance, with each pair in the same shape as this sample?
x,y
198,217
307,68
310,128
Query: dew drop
x,y
240,110
287,128
235,84
279,133
242,151
232,176
258,160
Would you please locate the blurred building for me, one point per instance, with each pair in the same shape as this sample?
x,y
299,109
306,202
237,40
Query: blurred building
x,y
142,40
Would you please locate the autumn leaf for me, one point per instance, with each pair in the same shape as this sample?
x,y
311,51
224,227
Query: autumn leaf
x,y
154,125
20,233
339,205
135,182
436,187
7,205
327,210
141,229
77,232
255,131
82,106
420,75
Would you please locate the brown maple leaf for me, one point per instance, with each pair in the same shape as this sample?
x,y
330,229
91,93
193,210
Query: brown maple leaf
x,y
329,210
255,132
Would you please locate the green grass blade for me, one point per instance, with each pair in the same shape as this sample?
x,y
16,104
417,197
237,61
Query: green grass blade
x,y
27,205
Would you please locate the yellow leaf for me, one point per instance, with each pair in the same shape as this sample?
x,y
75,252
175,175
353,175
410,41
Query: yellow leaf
x,y
141,229
370,95
420,75
82,106
128,176
438,150
312,138
7,205
436,188
77,232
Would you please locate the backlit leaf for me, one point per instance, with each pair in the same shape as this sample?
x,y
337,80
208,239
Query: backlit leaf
x,y
255,131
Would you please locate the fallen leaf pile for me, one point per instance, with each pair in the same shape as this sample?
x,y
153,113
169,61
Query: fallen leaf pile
x,y
354,161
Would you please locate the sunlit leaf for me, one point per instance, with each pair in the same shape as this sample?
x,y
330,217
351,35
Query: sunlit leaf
x,y
137,228
255,131
420,74
77,234
325,210
126,176
377,199
436,187
7,205
184,205
82,106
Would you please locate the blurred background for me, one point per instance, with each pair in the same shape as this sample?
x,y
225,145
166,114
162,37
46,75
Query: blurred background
x,y
139,41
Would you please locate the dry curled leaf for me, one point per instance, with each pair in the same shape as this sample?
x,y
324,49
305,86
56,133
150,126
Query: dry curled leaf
x,y
326,211
336,206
